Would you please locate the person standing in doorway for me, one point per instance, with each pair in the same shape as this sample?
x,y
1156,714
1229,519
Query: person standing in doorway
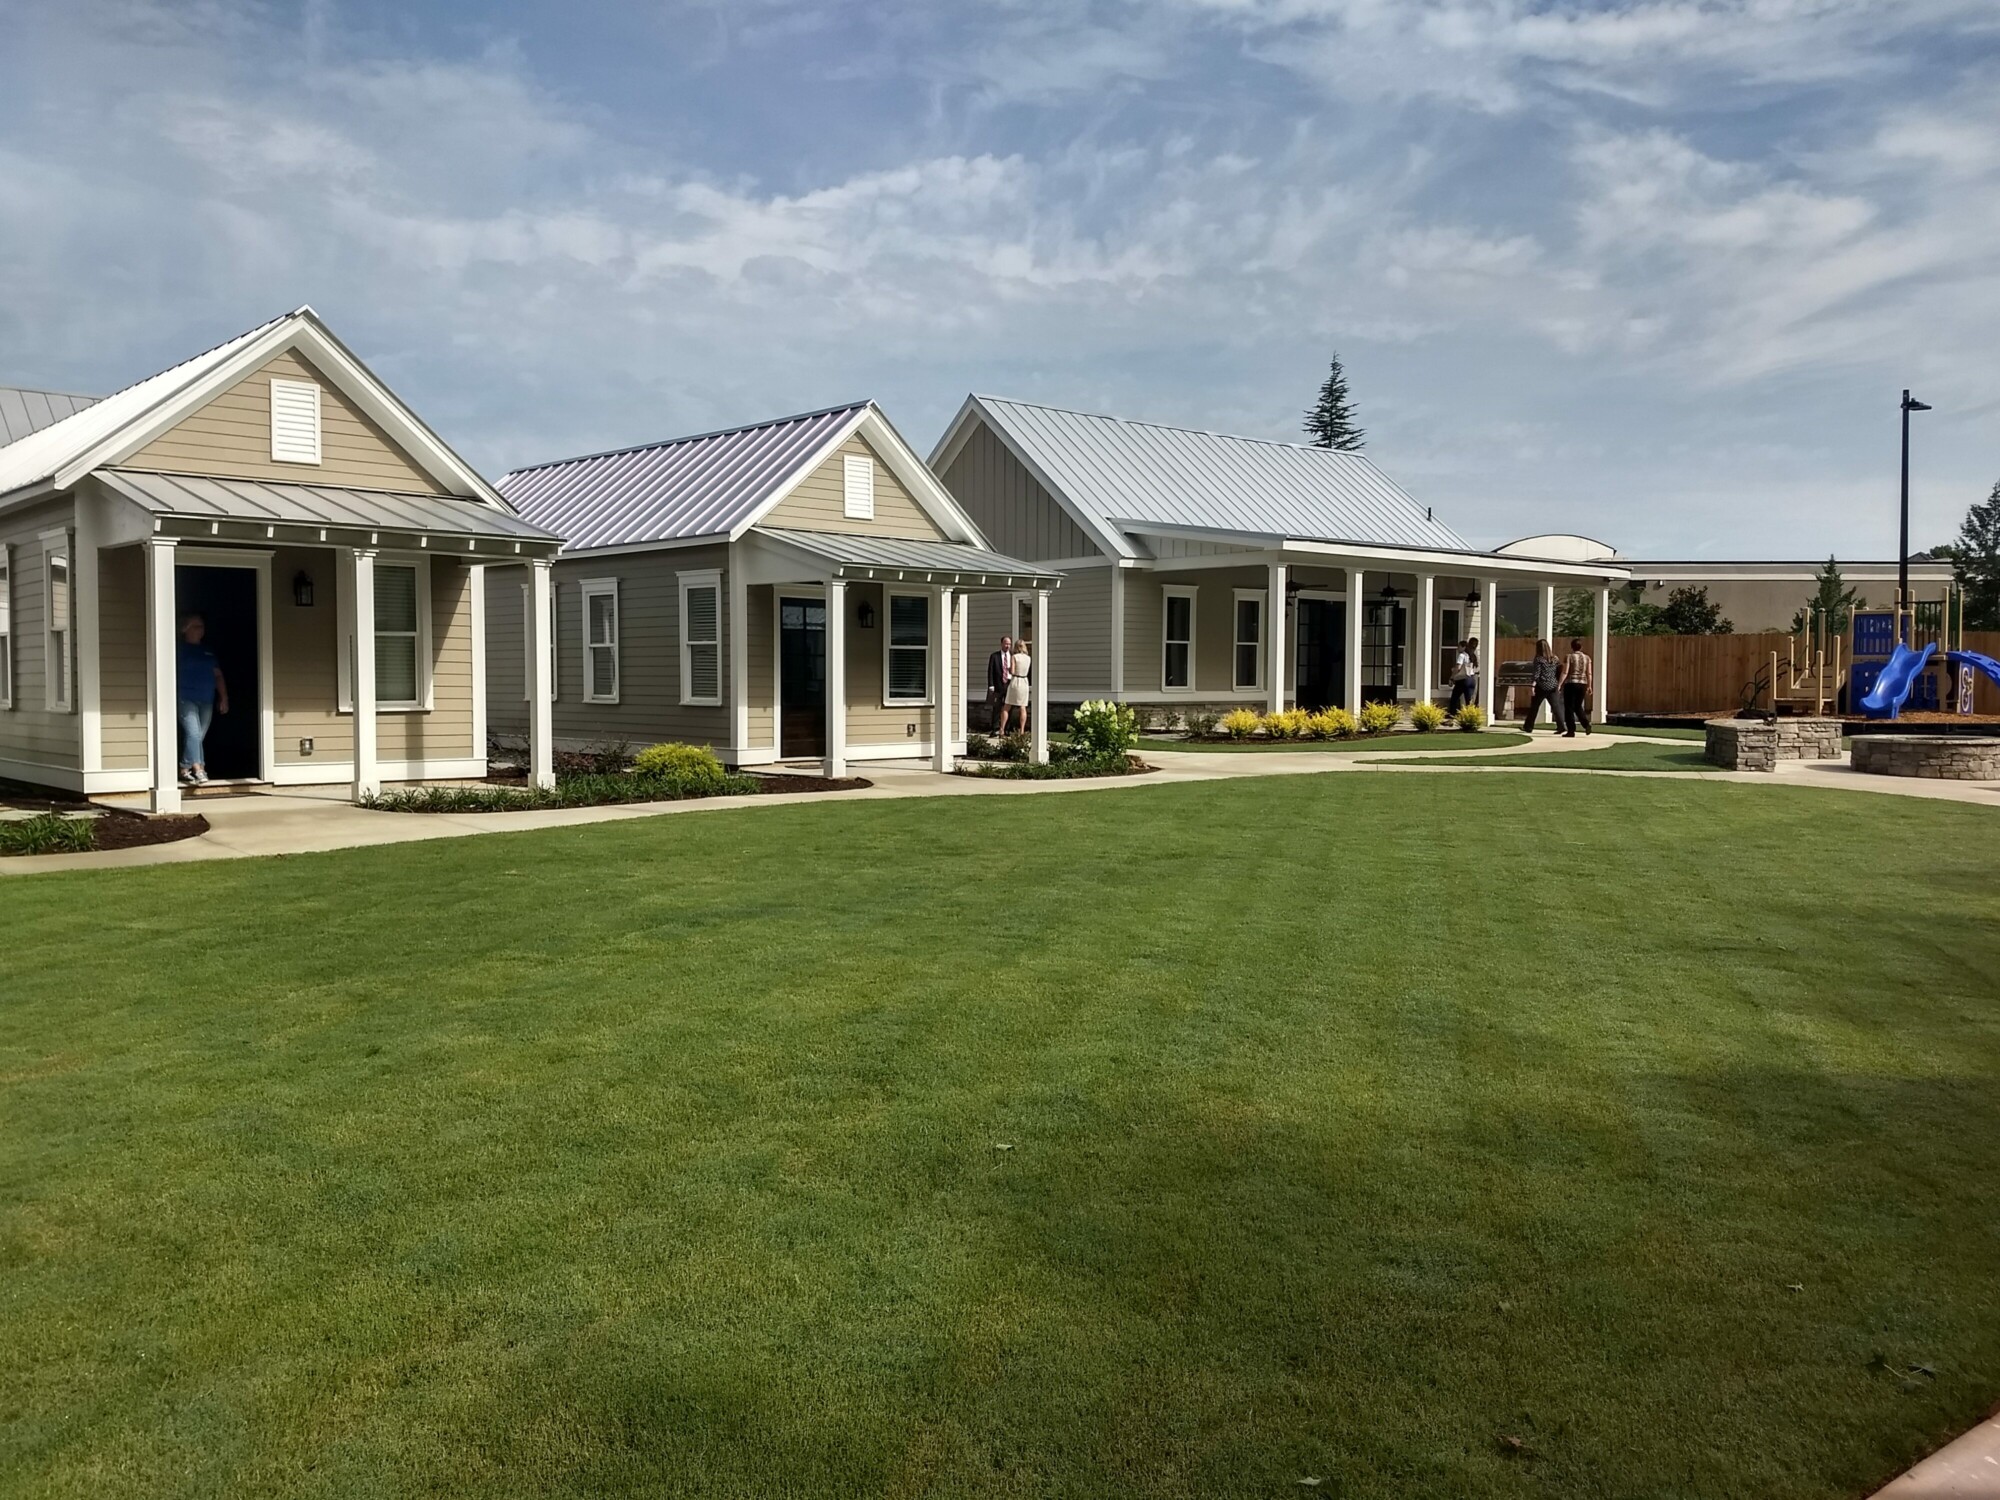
x,y
1465,674
200,694
1018,684
1547,688
999,671
1576,676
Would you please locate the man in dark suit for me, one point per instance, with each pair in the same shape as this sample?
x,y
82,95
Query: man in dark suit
x,y
999,670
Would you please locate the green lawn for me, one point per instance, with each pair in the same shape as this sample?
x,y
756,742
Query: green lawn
x,y
1429,744
1165,1141
1628,756
1652,734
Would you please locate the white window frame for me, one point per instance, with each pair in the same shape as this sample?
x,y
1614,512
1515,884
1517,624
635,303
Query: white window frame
x,y
705,578
296,391
6,626
889,596
1168,593
857,486
1262,599
1446,642
599,588
555,635
347,626
57,548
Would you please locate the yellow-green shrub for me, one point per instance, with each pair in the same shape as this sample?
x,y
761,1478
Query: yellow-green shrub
x,y
1331,724
1240,723
1426,716
1380,718
693,767
1471,718
1287,724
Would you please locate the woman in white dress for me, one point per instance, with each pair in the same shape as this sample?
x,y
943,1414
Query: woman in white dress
x,y
1016,704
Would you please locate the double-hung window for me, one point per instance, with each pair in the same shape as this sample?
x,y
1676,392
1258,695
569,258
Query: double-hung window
x,y
58,639
1249,639
1177,645
399,657
906,669
600,640
701,639
6,626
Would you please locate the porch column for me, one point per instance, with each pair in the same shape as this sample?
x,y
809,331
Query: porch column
x,y
361,670
1355,584
836,678
1426,607
1600,657
1038,680
1489,642
161,638
1546,618
941,714
739,657
540,676
1274,636
1117,632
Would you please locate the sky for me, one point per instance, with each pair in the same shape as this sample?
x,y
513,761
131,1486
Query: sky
x,y
1652,270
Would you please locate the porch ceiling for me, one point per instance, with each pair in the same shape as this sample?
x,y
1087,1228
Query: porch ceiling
x,y
380,515
908,560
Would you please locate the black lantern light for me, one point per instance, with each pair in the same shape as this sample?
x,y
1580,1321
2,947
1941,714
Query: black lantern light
x,y
865,616
302,589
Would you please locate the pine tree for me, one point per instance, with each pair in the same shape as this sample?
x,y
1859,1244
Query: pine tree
x,y
1833,599
1978,563
1330,423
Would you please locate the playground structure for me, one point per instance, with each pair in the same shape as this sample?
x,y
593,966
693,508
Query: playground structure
x,y
1916,659
1809,682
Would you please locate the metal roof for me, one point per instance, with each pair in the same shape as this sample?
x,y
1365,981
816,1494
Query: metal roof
x,y
202,498
1121,474
905,554
23,410
706,485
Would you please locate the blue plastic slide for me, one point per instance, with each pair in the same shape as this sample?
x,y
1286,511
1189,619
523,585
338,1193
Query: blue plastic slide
x,y
1976,661
1892,688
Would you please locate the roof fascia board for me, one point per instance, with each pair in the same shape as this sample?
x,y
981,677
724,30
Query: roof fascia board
x,y
1363,553
1113,542
955,435
800,474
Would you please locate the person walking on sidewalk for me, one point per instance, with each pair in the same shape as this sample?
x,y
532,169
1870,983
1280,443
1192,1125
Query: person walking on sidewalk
x,y
1547,688
1465,674
1576,679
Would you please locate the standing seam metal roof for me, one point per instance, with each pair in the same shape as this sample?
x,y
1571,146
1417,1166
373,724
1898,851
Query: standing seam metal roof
x,y
1121,473
705,485
23,410
909,554
205,498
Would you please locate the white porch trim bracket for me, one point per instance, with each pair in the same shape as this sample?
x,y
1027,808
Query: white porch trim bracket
x,y
161,691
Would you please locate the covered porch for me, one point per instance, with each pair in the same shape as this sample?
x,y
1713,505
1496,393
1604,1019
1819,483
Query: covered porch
x,y
855,645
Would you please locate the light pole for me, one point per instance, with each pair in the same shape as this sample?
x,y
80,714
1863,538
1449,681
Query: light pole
x,y
1903,549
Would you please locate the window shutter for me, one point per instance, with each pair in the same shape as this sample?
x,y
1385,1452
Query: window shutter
x,y
294,422
704,636
858,487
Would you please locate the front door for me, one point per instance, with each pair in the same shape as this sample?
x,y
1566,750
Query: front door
x,y
1322,632
226,600
801,677
1384,641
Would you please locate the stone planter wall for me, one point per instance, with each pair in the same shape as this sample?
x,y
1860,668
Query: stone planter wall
x,y
1759,744
1931,756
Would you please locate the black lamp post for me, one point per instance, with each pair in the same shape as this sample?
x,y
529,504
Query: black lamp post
x,y
1903,549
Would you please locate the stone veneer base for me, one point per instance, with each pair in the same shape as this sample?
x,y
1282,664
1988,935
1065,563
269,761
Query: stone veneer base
x,y
1759,744
1934,757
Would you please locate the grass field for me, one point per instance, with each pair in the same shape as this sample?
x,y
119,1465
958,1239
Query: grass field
x,y
1626,756
1166,1141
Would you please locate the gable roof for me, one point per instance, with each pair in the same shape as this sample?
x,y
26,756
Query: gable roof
x,y
1115,476
714,484
24,410
108,431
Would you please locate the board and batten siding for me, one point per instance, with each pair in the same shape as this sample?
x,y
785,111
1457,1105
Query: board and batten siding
x,y
30,732
1009,505
818,504
230,436
1079,629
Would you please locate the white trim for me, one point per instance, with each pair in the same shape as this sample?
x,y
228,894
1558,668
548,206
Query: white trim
x,y
162,739
332,772
87,622
476,581
1170,591
59,544
298,403
347,629
1262,597
1118,634
836,679
857,486
1371,556
960,432
538,646
589,589
7,626
736,636
929,597
259,561
711,579
69,778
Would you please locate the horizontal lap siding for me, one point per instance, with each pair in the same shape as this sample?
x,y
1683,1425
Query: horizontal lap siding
x,y
28,731
1214,627
762,635
819,502
506,658
305,660
870,721
121,692
231,436
445,732
1018,517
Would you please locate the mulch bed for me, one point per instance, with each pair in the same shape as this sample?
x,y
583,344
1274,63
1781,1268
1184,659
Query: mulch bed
x,y
119,829
777,783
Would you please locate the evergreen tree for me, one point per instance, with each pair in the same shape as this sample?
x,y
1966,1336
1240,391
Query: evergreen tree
x,y
1977,563
1688,611
1330,423
1831,598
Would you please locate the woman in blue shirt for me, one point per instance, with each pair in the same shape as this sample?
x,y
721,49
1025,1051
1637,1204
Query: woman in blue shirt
x,y
202,695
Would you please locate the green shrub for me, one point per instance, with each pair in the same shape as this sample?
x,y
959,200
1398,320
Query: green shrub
x,y
608,789
1005,747
1426,716
48,833
1099,730
1058,768
1143,715
1331,724
593,760
1201,723
1287,724
1471,718
693,768
1240,723
1380,718
1170,718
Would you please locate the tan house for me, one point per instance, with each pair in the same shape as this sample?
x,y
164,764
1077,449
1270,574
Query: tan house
x,y
332,542
789,591
1205,570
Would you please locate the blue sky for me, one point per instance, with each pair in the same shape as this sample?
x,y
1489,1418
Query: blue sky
x,y
1654,270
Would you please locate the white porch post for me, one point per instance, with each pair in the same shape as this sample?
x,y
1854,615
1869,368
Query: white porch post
x,y
941,714
1356,583
86,611
836,678
961,625
361,670
161,649
1600,662
475,574
1117,632
1274,636
1546,617
1426,606
540,675
1038,680
739,657
1489,642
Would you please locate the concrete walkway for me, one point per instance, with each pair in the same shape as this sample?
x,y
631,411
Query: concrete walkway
x,y
311,820
1968,1469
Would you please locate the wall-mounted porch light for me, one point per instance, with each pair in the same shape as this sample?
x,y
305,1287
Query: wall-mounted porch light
x,y
865,616
302,589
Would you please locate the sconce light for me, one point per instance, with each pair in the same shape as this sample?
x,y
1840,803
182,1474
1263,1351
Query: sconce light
x,y
302,590
865,616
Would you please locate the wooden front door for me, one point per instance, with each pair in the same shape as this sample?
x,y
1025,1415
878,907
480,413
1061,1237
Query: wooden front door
x,y
1322,633
801,677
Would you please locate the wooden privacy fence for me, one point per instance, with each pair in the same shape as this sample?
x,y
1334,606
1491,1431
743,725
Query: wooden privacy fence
x,y
1707,674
